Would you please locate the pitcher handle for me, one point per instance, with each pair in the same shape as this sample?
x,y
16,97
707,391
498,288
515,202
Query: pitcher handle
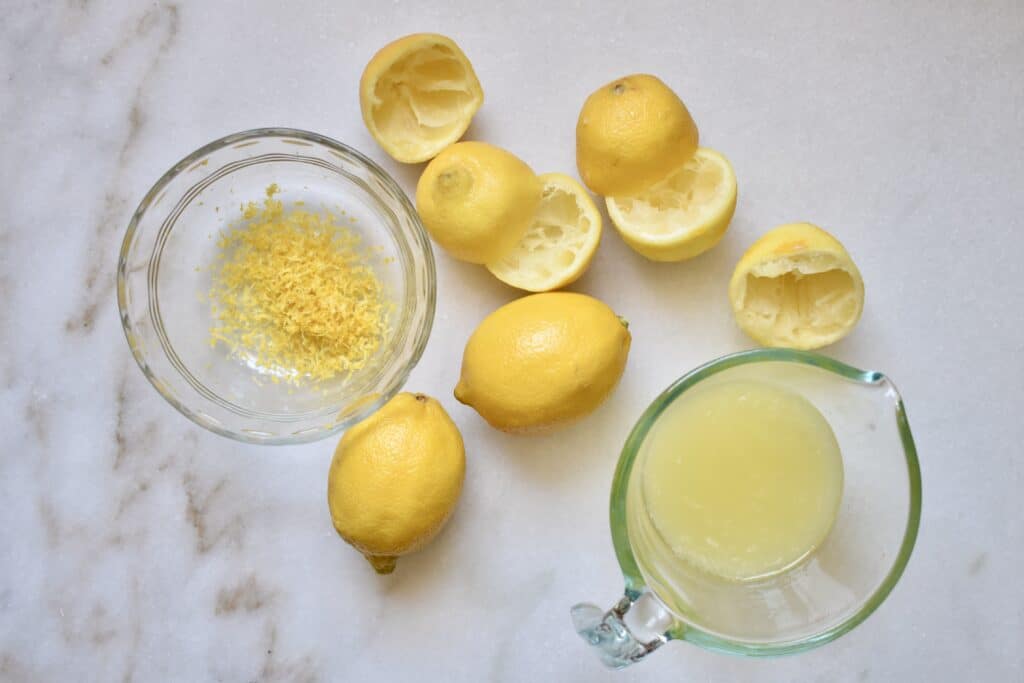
x,y
608,633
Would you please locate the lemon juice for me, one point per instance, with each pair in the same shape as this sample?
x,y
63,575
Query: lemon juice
x,y
741,479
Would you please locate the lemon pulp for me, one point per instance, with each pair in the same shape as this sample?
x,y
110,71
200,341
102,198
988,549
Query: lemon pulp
x,y
683,215
560,242
797,286
821,301
418,95
742,479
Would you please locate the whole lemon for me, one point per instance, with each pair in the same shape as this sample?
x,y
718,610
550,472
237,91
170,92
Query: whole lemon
x,y
477,200
395,479
543,360
632,133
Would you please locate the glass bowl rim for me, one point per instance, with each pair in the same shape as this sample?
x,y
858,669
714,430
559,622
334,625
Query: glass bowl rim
x,y
418,238
635,585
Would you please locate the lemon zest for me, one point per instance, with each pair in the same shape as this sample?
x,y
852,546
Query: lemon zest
x,y
296,293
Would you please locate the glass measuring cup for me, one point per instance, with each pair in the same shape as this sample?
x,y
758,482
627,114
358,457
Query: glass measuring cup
x,y
838,586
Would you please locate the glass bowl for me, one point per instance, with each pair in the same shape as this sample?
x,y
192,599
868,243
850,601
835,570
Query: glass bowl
x,y
165,269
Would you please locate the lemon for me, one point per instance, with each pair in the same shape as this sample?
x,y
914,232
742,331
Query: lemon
x,y
418,95
632,133
477,200
395,479
796,286
560,243
543,360
682,216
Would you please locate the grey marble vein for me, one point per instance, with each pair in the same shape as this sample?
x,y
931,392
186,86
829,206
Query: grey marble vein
x,y
157,29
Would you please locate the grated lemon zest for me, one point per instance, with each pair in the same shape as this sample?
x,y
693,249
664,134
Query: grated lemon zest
x,y
297,292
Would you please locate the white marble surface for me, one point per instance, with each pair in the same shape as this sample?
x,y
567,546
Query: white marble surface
x,y
137,547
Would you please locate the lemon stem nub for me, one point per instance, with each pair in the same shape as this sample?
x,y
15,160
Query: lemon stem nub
x,y
382,564
625,323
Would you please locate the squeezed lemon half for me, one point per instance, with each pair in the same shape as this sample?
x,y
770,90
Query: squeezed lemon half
x,y
560,242
418,95
682,216
796,287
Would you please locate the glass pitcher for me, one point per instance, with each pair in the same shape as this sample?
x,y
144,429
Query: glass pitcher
x,y
835,588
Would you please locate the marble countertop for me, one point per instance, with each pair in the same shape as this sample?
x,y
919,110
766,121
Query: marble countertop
x,y
135,546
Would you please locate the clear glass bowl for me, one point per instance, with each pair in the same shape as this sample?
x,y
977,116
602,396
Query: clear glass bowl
x,y
164,275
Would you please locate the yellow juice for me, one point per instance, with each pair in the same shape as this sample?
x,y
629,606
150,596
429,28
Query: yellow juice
x,y
742,479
